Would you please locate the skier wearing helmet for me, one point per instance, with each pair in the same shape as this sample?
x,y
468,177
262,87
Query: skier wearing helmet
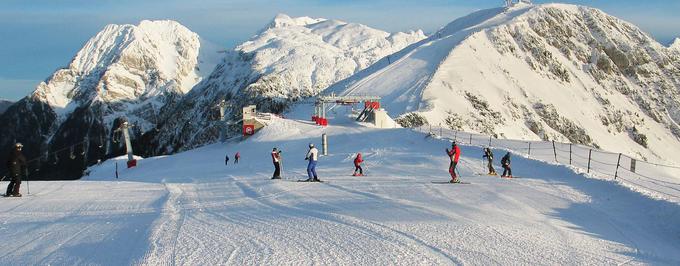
x,y
454,155
16,163
312,157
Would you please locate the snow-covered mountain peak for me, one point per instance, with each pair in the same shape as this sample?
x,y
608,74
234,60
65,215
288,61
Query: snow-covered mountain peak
x,y
289,49
283,20
167,41
126,63
517,72
290,59
123,73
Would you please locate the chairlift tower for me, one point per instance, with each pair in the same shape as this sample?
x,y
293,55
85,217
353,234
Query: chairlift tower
x,y
128,145
223,105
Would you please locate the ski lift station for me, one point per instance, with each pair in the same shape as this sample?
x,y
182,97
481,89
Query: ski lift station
x,y
252,120
371,113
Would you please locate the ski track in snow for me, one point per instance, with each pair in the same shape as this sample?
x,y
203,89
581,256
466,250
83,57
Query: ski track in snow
x,y
190,209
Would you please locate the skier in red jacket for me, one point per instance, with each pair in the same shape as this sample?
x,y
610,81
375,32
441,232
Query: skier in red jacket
x,y
357,165
454,155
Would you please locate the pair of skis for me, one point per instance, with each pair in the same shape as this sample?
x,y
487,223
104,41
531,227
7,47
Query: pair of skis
x,y
452,183
310,180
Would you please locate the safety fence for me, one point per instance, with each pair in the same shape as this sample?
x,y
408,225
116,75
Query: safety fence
x,y
656,179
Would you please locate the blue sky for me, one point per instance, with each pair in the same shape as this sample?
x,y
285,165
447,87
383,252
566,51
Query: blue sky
x,y
39,36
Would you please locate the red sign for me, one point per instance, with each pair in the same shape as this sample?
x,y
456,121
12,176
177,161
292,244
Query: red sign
x,y
248,130
131,163
374,105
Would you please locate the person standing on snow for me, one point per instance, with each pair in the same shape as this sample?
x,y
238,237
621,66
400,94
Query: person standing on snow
x,y
226,159
16,163
237,156
488,154
276,159
357,165
312,157
505,161
454,155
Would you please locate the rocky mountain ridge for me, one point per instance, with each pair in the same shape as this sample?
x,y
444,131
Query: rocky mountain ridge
x,y
553,71
288,60
124,72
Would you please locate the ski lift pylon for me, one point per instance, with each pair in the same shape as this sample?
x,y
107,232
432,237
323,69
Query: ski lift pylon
x,y
71,154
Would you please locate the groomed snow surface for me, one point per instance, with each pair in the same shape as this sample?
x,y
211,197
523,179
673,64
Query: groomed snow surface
x,y
191,209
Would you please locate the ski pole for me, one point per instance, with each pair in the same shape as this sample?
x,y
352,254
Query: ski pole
x,y
28,187
482,164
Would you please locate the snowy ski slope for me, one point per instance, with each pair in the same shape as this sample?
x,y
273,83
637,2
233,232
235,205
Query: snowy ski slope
x,y
191,209
516,73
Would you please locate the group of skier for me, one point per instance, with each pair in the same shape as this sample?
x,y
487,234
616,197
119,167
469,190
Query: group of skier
x,y
237,157
454,155
16,164
505,163
312,158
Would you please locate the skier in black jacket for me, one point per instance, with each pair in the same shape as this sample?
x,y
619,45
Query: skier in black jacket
x,y
16,163
505,161
488,154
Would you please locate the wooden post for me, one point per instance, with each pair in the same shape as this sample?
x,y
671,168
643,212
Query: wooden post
x,y
590,153
632,165
618,163
470,138
490,141
569,153
455,135
529,148
554,150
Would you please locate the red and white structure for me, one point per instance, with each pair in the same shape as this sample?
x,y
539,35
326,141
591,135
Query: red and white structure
x,y
319,115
